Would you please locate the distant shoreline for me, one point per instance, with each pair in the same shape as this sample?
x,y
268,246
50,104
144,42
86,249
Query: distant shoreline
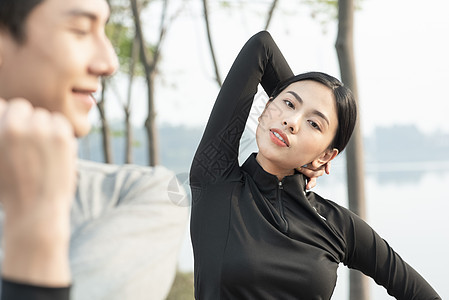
x,y
415,166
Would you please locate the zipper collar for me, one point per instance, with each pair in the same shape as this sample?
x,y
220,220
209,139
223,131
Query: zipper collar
x,y
268,183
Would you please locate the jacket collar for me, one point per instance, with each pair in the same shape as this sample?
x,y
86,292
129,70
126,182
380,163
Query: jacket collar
x,y
267,183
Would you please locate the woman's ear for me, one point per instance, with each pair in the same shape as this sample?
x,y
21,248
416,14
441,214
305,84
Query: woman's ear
x,y
324,158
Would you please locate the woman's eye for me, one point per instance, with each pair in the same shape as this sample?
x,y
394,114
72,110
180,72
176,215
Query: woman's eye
x,y
315,125
289,103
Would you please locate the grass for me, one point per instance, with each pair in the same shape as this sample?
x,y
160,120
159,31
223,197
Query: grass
x,y
182,288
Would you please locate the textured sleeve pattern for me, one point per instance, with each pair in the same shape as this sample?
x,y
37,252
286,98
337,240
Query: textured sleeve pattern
x,y
259,61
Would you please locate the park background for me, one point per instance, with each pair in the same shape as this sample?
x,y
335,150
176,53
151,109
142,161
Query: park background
x,y
401,51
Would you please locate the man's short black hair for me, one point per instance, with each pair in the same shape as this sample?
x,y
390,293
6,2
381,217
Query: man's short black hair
x,y
13,16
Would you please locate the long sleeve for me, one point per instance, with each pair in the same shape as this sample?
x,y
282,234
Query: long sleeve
x,y
259,61
372,255
13,290
128,223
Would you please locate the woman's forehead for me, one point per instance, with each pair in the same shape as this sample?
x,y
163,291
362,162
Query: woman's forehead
x,y
311,90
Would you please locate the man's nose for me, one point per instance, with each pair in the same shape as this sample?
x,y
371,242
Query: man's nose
x,y
105,62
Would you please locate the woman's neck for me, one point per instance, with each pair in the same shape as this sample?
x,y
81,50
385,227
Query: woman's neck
x,y
272,168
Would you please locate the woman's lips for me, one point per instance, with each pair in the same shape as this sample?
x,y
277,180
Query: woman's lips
x,y
279,138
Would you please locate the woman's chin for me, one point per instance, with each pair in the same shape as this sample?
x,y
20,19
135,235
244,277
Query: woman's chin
x,y
275,159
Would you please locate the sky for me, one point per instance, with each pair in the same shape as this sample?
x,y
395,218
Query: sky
x,y
401,49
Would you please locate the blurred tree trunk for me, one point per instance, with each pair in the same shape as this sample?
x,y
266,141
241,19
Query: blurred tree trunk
x,y
209,36
127,107
106,132
150,62
211,45
150,58
270,13
354,152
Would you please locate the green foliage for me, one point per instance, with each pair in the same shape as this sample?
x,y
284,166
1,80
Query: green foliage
x,y
225,4
121,31
137,144
333,3
95,129
117,133
121,38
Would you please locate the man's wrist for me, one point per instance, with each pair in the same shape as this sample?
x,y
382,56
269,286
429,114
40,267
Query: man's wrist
x,y
36,246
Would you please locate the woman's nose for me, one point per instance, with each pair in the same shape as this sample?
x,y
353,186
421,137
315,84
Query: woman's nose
x,y
292,124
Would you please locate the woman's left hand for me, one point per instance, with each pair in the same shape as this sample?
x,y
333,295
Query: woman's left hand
x,y
313,173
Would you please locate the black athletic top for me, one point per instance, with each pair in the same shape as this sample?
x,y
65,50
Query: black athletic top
x,y
255,237
20,291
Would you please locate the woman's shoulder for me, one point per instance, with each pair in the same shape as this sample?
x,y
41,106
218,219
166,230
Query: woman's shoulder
x,y
339,218
328,208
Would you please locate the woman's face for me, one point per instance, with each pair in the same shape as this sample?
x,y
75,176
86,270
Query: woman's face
x,y
297,127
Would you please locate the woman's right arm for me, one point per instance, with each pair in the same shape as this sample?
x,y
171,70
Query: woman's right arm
x,y
259,61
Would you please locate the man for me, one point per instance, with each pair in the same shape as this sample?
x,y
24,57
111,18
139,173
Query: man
x,y
120,235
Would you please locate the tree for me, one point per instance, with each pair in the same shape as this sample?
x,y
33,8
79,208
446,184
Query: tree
x,y
354,151
121,38
137,58
128,61
105,129
150,61
270,13
209,35
211,46
127,106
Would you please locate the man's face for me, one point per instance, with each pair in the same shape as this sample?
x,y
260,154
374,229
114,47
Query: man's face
x,y
59,64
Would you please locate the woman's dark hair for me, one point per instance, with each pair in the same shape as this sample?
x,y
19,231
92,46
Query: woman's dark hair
x,y
346,104
13,15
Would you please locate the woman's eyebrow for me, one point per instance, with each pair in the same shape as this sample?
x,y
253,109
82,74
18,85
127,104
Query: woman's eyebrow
x,y
296,96
316,112
321,115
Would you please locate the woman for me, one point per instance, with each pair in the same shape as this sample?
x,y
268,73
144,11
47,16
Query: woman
x,y
256,233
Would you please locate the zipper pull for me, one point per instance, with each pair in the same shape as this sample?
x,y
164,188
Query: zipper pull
x,y
280,185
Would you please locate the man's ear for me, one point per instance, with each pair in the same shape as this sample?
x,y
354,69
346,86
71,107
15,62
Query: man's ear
x,y
324,158
4,35
266,106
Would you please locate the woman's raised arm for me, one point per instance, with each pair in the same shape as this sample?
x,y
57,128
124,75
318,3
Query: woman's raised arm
x,y
259,61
